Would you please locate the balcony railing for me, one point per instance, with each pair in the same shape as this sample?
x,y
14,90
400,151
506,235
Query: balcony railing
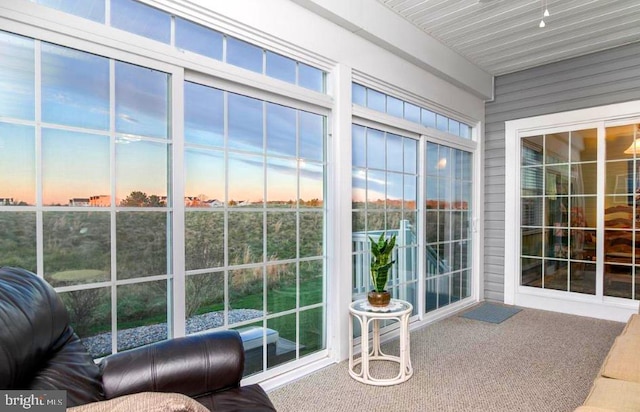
x,y
405,255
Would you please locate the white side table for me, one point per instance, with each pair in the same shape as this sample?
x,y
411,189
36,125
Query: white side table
x,y
398,310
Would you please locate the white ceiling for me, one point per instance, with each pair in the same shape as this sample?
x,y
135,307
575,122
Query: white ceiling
x,y
502,36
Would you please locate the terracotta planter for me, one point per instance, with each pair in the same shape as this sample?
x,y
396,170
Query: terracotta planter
x,y
379,299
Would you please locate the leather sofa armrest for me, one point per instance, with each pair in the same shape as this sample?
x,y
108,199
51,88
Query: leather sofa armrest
x,y
192,365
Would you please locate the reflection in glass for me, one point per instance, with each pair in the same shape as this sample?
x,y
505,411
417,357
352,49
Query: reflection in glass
x,y
17,76
142,304
454,127
198,39
442,123
311,185
280,67
556,148
75,88
281,130
141,173
246,289
618,140
245,123
584,177
394,153
204,294
311,132
142,244
281,235
18,240
376,100
245,237
411,112
310,78
311,282
138,18
243,54
282,182
375,156
583,278
585,145
204,240
90,316
75,167
358,95
286,328
395,107
88,9
410,156
141,100
203,115
281,287
531,272
204,172
618,280
311,234
17,169
246,180
358,146
77,247
428,118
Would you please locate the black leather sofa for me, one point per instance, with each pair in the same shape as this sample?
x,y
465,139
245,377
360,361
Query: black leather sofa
x,y
40,351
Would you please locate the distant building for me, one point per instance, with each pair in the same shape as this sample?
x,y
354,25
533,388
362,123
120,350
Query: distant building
x,y
214,203
79,201
6,201
100,200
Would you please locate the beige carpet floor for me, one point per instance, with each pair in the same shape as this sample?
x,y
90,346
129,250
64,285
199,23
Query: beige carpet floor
x,y
535,361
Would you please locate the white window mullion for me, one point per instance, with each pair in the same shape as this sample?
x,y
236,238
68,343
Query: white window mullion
x,y
39,168
600,206
112,207
177,167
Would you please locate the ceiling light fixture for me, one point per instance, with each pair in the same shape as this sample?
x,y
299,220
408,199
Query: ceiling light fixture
x,y
545,12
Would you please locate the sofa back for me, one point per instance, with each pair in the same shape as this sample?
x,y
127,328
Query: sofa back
x,y
38,348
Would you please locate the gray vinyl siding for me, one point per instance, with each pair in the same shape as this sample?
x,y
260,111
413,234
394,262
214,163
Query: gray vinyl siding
x,y
607,77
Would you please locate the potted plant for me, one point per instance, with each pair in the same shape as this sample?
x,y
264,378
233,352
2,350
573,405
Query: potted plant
x,y
381,263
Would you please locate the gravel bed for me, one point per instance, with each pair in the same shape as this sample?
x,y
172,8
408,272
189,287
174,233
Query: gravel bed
x,y
100,345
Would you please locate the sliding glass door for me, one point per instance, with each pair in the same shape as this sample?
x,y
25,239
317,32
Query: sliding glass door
x,y
448,212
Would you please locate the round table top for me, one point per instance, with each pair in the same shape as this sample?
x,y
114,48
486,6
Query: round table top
x,y
395,307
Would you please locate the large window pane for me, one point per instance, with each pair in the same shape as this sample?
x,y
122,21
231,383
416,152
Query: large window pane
x,y
77,247
311,185
311,132
282,183
88,9
204,301
204,172
203,115
138,18
246,180
281,130
142,244
75,167
281,287
198,39
18,239
245,237
281,235
245,123
17,77
281,67
90,316
142,314
243,54
311,78
75,88
141,173
17,169
204,240
141,101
